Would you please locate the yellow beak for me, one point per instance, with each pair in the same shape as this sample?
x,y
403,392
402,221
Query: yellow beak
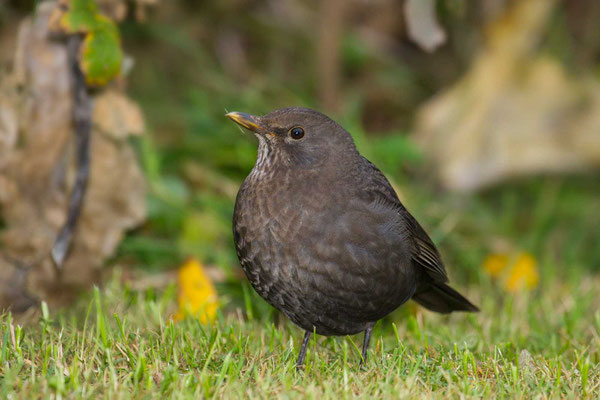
x,y
248,121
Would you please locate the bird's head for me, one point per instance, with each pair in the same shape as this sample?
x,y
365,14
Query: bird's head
x,y
296,136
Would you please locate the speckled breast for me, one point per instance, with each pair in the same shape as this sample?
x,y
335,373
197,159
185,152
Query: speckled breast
x,y
299,258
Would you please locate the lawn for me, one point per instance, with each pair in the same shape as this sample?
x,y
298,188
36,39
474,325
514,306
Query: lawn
x,y
120,341
125,346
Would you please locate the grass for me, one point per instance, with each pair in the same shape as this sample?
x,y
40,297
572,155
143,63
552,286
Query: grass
x,y
121,343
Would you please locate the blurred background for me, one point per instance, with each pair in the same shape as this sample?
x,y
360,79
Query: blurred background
x,y
485,115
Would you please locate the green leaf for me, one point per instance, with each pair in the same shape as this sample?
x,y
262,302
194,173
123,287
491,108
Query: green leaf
x,y
81,16
101,55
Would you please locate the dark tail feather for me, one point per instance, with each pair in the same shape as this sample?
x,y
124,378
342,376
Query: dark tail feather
x,y
442,298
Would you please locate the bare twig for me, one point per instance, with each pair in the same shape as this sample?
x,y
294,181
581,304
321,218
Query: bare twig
x,y
82,121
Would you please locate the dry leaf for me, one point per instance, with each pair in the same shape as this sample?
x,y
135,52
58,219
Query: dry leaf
x,y
37,169
197,294
515,112
117,116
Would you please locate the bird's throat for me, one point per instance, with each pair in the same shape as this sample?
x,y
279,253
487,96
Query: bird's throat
x,y
263,168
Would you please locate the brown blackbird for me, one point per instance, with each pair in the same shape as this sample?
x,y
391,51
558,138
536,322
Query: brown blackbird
x,y
322,236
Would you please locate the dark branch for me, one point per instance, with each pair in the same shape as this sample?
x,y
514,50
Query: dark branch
x,y
82,121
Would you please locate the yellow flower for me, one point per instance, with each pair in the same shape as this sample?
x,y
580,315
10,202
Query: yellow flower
x,y
197,294
494,264
515,272
524,273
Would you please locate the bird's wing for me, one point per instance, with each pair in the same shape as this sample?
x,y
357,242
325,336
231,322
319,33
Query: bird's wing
x,y
424,252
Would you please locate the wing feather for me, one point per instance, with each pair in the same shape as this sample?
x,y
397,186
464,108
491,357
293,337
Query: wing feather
x,y
424,252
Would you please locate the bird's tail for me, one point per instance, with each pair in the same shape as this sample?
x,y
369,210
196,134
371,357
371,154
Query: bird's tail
x,y
441,298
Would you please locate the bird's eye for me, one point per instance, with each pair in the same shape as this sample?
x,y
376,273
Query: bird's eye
x,y
297,133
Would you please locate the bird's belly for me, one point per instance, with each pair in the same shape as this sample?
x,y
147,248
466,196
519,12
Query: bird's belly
x,y
320,294
341,304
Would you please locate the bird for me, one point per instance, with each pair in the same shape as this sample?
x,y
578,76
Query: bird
x,y
322,236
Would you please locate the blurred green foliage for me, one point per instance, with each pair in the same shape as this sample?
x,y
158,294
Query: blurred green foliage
x,y
195,159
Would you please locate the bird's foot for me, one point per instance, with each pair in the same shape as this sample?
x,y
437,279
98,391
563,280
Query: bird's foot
x,y
302,354
300,368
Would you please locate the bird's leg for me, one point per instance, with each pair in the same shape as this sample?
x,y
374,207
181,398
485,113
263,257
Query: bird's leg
x,y
366,341
302,354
